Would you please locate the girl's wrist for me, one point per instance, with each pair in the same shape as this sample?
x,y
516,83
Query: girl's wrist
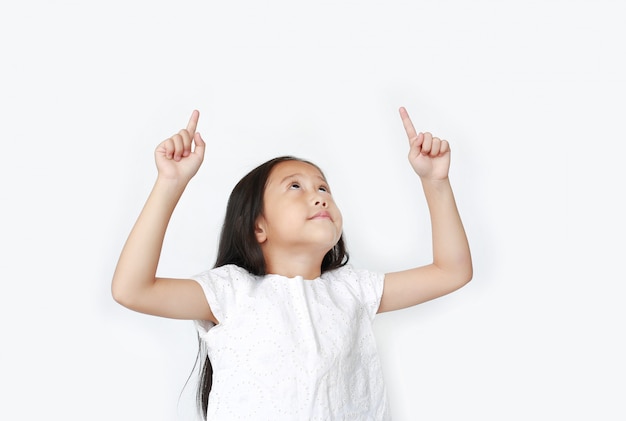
x,y
435,181
169,184
436,186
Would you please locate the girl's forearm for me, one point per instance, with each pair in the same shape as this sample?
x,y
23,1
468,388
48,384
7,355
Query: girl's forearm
x,y
451,251
137,265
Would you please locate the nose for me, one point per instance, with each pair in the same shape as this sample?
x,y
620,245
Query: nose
x,y
321,202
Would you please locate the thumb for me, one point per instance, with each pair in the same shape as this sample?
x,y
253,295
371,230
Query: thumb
x,y
199,145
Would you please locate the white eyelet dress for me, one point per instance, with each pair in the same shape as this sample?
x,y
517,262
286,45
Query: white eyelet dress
x,y
293,349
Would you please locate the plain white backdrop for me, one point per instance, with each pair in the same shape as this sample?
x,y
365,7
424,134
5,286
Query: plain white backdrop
x,y
530,95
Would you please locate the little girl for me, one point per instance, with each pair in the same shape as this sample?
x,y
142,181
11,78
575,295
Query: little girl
x,y
285,321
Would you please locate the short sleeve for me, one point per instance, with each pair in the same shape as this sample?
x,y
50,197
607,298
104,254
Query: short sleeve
x,y
365,284
371,286
205,281
218,286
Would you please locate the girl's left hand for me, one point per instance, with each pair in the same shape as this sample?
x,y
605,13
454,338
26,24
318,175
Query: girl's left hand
x,y
429,156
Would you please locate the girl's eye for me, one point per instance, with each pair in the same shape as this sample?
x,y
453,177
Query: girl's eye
x,y
324,189
295,185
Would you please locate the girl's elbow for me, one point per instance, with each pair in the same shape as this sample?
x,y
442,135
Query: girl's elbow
x,y
462,274
121,294
458,273
466,274
467,268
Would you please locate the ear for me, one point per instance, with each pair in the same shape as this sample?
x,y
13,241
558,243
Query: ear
x,y
260,230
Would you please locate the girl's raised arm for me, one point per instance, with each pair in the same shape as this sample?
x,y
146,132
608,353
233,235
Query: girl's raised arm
x,y
452,264
135,284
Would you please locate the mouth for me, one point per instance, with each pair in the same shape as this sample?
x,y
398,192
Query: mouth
x,y
322,215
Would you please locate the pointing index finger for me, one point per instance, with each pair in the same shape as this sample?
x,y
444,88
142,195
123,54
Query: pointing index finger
x,y
193,122
408,125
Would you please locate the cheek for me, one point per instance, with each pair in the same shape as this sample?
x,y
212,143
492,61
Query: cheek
x,y
339,220
284,217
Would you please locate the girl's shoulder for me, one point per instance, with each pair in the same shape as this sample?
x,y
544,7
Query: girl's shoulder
x,y
233,276
362,280
365,285
350,273
222,274
222,285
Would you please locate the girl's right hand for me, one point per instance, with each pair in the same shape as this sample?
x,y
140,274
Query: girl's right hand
x,y
174,158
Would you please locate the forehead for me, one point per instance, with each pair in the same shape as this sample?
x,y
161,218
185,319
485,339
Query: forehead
x,y
286,169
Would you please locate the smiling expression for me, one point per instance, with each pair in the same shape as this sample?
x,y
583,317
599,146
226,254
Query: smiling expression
x,y
299,212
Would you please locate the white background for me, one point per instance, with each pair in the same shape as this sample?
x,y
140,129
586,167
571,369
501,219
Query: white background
x,y
530,95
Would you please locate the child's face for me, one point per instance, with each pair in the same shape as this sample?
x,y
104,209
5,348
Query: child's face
x,y
299,210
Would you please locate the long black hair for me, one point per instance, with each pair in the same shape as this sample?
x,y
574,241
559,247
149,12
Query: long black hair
x,y
238,246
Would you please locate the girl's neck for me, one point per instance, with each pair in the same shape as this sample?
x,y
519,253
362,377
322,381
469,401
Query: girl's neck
x,y
289,265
